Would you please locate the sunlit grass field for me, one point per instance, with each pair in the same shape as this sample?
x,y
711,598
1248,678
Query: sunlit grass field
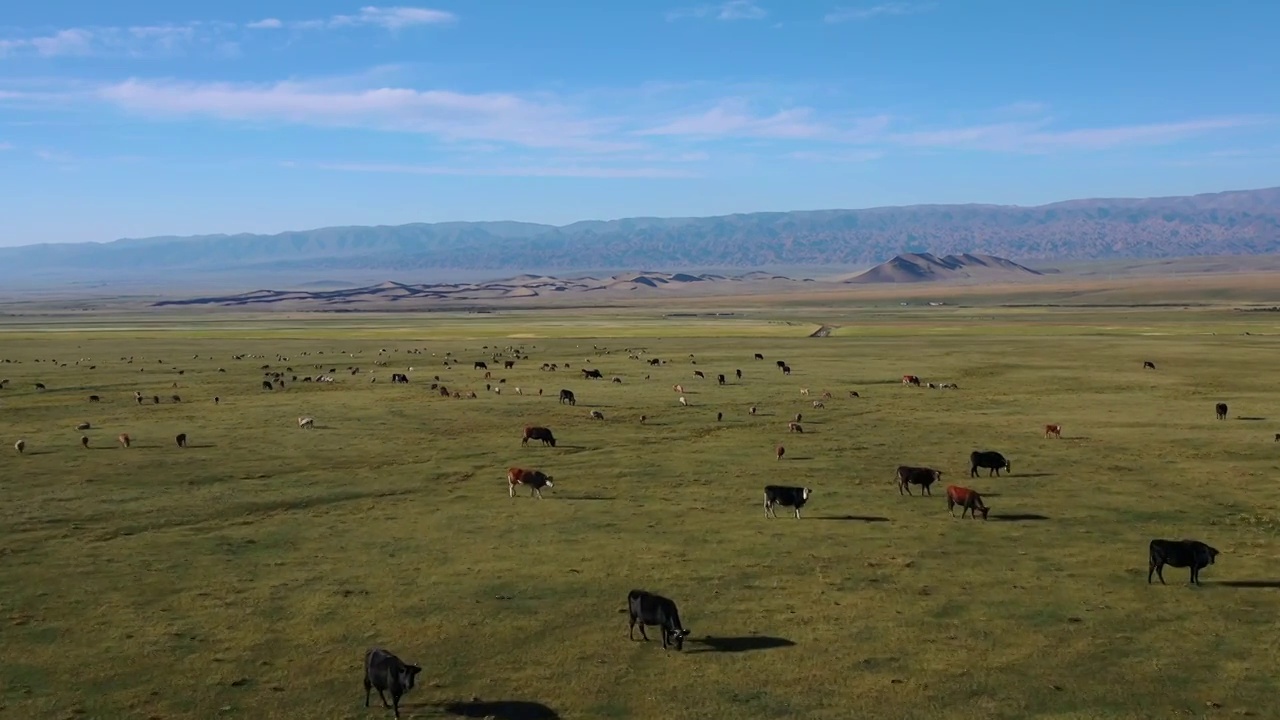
x,y
245,575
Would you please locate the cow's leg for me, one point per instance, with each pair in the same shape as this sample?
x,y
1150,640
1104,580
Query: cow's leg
x,y
383,698
1160,573
1195,574
536,491
1151,568
643,634
511,489
766,508
903,486
925,489
368,687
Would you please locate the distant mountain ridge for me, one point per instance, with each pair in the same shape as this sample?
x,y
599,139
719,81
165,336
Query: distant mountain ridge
x,y
1230,223
927,267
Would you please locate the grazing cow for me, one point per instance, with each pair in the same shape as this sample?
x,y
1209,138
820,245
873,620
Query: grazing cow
x,y
20,446
759,356
534,479
719,416
931,386
385,671
399,378
592,374
818,404
643,418
1277,437
266,385
84,441
911,380
617,380
678,388
799,417
993,461
645,608
738,373
753,410
922,476
655,361
698,373
1148,365
488,375
720,378
177,399
854,394
780,451
123,439
444,391
566,396
786,496
683,401
968,500
1053,431
532,432
508,364
155,399
40,386
94,398
786,369
781,364
597,415
1221,409
307,423
481,366
182,440
1180,554
83,426
794,427
804,391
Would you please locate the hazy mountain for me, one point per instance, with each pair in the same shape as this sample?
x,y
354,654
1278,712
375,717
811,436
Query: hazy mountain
x,y
926,267
1229,223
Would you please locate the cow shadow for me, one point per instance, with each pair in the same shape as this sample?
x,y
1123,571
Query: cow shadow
x,y
863,518
1249,584
496,709
1023,517
38,452
797,457
1252,419
582,497
200,446
1030,475
740,644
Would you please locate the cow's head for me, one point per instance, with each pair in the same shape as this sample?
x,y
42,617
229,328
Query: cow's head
x,y
1211,553
805,493
407,676
678,638
1008,466
548,479
984,510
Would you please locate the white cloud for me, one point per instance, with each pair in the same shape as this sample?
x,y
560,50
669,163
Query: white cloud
x,y
394,18
734,119
841,15
1035,138
731,10
567,171
266,24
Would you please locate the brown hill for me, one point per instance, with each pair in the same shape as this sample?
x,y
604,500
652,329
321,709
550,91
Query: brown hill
x,y
927,267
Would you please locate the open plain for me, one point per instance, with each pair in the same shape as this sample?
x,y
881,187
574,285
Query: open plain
x,y
245,575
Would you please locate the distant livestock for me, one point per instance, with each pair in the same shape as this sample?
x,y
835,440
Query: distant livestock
x,y
597,415
922,476
683,401
182,440
1191,554
794,427
720,379
759,356
678,388
646,608
399,378
1053,431
94,398
507,365
266,385
786,369
786,496
84,441
1148,365
780,451
124,440
481,366
781,364
911,380
566,396
592,374
993,461
1221,409
738,373
535,480
854,394
968,500
698,374
818,404
720,416
20,446
307,423
532,432
83,426
385,671
40,386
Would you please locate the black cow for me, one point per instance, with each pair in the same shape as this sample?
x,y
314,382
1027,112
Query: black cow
x,y
385,671
738,373
538,433
720,379
94,398
592,374
993,461
1221,409
781,364
266,385
1148,364
645,608
507,365
399,378
786,496
182,440
922,476
1179,553
566,396
759,356
481,366
655,361
786,369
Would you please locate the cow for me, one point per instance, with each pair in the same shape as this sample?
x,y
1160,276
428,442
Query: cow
x,y
804,391
719,416
124,440
786,496
83,426
780,451
182,440
993,461
307,423
720,378
40,386
266,385
683,401
385,671
84,441
1180,554
738,373
155,399
818,404
968,500
786,369
1221,409
795,427
94,398
566,396
617,380
922,476
399,378
508,364
1148,365
1277,437
781,364
532,432
20,446
853,394
1053,431
646,608
678,388
799,417
592,374
480,366
597,415
655,361
759,356
177,398
753,410
534,479
911,380
698,374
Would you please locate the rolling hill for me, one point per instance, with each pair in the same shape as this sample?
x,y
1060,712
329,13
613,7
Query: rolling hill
x,y
1229,223
926,267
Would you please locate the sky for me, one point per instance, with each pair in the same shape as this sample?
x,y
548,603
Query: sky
x,y
136,118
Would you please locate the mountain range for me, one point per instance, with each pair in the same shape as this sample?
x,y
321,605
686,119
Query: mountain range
x,y
1227,223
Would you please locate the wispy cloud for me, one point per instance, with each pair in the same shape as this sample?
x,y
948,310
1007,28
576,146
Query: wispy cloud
x,y
266,24
566,171
1037,137
836,156
4,146
734,119
731,10
388,18
852,14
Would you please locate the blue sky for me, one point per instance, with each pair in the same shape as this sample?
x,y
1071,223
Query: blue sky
x,y
139,117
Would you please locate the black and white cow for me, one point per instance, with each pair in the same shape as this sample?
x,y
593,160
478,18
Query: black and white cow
x,y
786,496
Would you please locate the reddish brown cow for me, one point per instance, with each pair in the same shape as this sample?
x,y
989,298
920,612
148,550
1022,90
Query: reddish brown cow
x,y
911,380
1053,431
969,501
781,451
538,433
123,439
534,479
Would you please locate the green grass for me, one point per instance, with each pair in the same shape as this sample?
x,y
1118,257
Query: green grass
x,y
246,575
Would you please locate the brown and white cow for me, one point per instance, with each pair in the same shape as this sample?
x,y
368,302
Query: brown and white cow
x,y
969,500
1053,431
911,380
534,479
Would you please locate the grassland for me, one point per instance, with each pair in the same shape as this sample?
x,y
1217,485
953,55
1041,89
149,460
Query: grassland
x,y
245,575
